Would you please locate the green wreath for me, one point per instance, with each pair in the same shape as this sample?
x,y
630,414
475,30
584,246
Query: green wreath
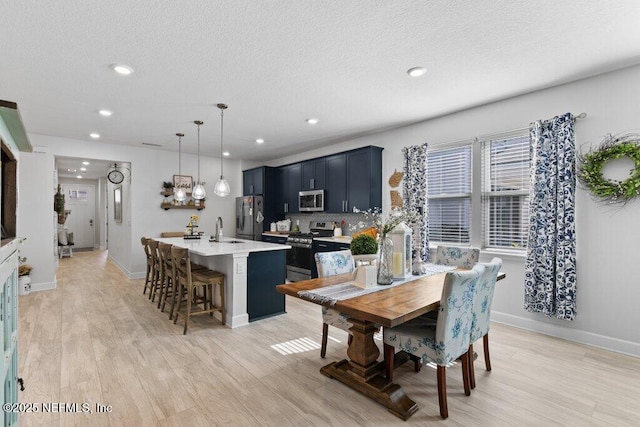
x,y
591,164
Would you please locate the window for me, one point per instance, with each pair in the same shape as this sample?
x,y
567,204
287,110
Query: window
x,y
449,194
505,192
496,207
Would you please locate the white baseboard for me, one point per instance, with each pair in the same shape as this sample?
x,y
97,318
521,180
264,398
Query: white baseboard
x,y
583,337
44,286
129,274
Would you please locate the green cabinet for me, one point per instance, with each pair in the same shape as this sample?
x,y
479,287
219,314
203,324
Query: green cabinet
x,y
9,330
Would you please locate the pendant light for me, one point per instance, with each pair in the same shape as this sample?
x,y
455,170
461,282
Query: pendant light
x,y
222,186
179,194
199,192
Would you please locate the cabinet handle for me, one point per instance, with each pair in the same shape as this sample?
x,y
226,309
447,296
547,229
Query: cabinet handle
x,y
286,207
346,206
251,189
312,183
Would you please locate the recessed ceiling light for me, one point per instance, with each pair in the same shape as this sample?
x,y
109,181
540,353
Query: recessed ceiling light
x,y
86,163
106,113
122,69
312,121
72,170
260,141
416,71
83,169
226,153
94,135
79,176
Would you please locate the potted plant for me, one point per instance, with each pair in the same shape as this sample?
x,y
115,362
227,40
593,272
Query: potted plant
x,y
364,249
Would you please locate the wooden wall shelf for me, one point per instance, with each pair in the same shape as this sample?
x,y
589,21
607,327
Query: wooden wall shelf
x,y
167,206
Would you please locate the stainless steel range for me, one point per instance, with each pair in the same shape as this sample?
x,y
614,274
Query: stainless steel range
x,y
300,256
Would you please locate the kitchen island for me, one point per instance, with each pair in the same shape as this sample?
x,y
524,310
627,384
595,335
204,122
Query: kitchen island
x,y
252,270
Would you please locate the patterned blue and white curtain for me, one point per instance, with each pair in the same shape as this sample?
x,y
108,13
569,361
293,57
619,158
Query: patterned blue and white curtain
x,y
414,196
550,267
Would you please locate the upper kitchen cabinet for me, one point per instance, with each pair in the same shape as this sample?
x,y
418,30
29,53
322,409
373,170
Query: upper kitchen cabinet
x,y
265,181
291,185
313,174
354,180
253,181
336,194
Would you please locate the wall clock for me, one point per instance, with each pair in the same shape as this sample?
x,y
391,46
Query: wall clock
x,y
115,177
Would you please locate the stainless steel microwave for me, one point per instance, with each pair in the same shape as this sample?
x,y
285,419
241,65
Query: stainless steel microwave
x,y
311,201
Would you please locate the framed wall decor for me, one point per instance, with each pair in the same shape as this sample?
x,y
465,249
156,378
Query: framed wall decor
x,y
117,204
183,181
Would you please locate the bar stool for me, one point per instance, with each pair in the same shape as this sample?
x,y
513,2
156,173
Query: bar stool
x,y
147,252
156,268
187,281
167,280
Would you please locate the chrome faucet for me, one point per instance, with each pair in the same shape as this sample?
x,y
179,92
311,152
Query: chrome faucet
x,y
218,230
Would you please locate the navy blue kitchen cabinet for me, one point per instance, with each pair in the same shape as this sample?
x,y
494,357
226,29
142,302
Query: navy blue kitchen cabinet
x,y
336,179
253,181
291,185
274,239
313,174
364,179
262,298
354,180
265,181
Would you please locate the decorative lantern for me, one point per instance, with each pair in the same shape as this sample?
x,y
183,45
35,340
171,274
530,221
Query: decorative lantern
x,y
401,237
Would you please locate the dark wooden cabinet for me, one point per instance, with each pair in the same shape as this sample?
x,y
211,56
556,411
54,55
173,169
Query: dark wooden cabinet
x,y
313,174
253,181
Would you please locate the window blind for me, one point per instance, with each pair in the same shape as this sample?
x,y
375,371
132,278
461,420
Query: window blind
x,y
505,192
449,194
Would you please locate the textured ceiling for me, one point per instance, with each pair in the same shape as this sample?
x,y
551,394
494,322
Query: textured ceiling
x,y
279,62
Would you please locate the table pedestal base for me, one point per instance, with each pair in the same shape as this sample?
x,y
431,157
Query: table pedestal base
x,y
377,388
364,373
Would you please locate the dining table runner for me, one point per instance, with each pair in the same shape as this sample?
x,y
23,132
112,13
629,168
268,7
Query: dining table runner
x,y
341,291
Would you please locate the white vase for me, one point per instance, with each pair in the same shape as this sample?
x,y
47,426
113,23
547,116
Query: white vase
x,y
24,285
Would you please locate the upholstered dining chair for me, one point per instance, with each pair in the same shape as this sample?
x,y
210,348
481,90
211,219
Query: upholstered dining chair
x,y
482,312
330,264
458,256
445,341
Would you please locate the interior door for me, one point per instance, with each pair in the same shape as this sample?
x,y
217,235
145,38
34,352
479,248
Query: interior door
x,y
80,199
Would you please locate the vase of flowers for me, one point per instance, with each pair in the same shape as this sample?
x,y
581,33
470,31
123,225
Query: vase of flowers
x,y
384,224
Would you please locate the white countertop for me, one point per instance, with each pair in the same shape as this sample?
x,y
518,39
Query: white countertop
x,y
206,248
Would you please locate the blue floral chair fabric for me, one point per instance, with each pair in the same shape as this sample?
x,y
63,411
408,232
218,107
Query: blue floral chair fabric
x,y
482,311
448,340
330,264
455,255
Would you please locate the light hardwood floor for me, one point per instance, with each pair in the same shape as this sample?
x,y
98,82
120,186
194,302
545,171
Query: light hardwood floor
x,y
97,339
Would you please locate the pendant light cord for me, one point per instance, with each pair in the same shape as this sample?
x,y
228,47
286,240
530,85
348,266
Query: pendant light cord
x,y
221,141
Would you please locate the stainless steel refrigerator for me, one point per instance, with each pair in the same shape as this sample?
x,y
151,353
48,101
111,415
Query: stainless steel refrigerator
x,y
249,217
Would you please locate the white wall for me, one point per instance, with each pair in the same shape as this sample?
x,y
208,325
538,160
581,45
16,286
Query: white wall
x,y
608,254
36,219
142,215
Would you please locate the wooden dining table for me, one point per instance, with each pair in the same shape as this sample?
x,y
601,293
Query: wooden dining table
x,y
388,308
